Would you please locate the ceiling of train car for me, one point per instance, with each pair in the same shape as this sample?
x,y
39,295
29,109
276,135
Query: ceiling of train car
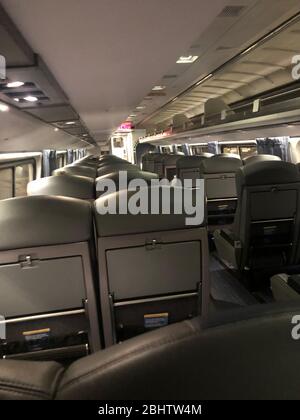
x,y
107,55
264,68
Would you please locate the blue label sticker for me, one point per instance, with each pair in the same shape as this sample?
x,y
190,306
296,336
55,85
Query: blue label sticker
x,y
156,320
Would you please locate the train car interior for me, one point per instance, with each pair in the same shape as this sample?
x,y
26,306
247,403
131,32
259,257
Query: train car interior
x,y
149,200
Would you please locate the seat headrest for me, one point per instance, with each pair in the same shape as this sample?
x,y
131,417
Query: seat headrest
x,y
220,164
267,173
171,159
43,220
190,161
133,174
229,155
153,157
108,169
64,185
76,170
122,224
260,158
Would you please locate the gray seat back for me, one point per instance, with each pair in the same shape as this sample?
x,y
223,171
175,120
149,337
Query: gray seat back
x,y
260,158
188,167
267,217
134,299
76,170
131,175
64,185
46,274
219,174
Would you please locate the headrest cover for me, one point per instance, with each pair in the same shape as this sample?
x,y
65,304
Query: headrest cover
x,y
267,173
76,170
124,224
229,155
171,160
64,185
40,221
133,174
220,164
153,157
260,158
116,168
190,162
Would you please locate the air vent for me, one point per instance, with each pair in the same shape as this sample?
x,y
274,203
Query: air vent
x,y
170,76
232,11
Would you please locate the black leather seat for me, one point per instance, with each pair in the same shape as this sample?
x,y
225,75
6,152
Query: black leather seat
x,y
248,354
188,167
143,260
132,174
260,158
266,225
64,185
47,277
219,175
77,170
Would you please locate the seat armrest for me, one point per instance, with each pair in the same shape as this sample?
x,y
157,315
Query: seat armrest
x,y
229,236
23,380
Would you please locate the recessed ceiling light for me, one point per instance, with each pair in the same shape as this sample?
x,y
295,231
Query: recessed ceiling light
x,y
158,87
16,99
140,107
132,115
4,107
70,123
187,59
56,129
15,84
31,98
85,135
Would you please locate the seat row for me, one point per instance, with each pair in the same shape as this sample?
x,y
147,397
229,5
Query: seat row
x,y
245,355
79,180
75,280
218,171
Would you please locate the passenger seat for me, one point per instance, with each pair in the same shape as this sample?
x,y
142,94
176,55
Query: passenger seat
x,y
64,185
47,278
153,268
266,226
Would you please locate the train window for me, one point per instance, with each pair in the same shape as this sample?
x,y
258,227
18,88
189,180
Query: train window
x,y
231,149
248,151
197,150
119,142
23,175
242,150
60,160
14,177
6,183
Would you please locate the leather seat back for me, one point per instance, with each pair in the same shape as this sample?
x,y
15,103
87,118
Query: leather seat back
x,y
267,218
64,185
46,275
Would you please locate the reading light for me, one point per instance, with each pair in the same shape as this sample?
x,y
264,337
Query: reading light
x,y
4,107
15,84
31,98
187,59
